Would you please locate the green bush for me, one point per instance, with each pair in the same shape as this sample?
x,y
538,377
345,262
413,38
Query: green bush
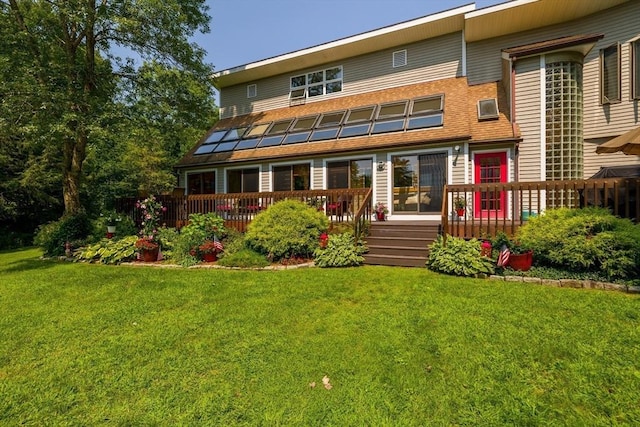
x,y
244,258
124,227
589,239
201,227
287,229
53,236
459,257
341,251
109,251
234,242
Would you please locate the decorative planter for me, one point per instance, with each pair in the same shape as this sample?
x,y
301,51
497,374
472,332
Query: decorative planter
x,y
380,216
149,255
111,229
460,212
521,262
210,257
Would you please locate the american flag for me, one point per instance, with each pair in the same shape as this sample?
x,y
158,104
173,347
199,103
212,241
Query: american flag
x,y
217,244
503,258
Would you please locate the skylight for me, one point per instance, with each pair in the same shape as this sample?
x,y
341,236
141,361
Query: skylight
x,y
399,116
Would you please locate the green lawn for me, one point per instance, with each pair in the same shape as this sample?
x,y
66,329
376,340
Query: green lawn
x,y
91,345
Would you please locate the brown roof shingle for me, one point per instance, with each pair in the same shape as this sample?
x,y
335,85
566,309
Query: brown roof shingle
x,y
459,98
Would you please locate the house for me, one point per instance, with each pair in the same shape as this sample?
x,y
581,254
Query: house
x,y
523,91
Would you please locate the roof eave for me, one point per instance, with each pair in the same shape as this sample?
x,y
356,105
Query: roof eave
x,y
407,32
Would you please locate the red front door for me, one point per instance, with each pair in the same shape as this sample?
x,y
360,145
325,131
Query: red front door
x,y
490,168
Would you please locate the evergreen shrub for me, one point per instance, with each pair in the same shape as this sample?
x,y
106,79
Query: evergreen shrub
x,y
286,229
588,239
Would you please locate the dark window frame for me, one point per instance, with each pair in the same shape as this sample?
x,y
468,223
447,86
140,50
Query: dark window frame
x,y
196,182
610,72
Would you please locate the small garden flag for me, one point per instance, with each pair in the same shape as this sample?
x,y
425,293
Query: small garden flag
x,y
217,244
503,258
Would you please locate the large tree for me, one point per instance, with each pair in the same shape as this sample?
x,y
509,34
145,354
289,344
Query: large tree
x,y
62,73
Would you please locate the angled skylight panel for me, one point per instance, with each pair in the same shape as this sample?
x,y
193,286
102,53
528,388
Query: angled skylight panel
x,y
271,141
279,127
216,136
394,109
324,133
393,125
247,143
360,114
225,146
304,123
257,130
294,138
234,134
355,130
205,149
426,112
331,119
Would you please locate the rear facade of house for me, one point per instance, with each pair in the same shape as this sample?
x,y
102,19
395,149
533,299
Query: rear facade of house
x,y
521,91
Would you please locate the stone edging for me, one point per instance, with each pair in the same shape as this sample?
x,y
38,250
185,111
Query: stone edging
x,y
570,283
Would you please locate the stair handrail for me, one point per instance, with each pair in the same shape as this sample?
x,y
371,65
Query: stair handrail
x,y
361,216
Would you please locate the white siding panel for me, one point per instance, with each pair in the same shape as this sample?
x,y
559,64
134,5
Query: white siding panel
x,y
432,59
318,174
528,105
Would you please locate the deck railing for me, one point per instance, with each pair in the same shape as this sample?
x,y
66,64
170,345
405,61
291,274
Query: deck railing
x,y
491,208
239,209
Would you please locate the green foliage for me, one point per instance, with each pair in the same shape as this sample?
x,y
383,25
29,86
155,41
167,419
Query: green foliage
x,y
458,257
341,251
168,238
286,229
244,258
125,227
590,239
52,237
204,227
109,251
233,242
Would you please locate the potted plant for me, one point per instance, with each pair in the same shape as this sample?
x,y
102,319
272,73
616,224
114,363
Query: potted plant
x,y
209,250
381,211
148,249
148,245
459,204
512,253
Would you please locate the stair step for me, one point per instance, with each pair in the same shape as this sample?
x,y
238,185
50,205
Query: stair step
x,y
411,242
402,261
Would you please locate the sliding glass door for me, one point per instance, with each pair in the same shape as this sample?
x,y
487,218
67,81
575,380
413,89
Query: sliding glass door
x,y
418,183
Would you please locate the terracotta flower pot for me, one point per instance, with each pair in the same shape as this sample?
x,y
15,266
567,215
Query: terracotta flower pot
x,y
460,212
149,255
210,257
521,262
380,216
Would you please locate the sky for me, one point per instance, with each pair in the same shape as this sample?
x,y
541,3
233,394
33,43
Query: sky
x,y
245,31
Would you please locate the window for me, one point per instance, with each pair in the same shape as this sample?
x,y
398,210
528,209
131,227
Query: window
x,y
426,112
635,69
487,109
291,178
610,74
349,174
243,180
316,83
392,110
201,183
399,58
252,91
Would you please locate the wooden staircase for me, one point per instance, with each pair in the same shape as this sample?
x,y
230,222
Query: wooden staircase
x,y
401,243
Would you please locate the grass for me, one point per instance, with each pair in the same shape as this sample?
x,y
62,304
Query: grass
x,y
90,344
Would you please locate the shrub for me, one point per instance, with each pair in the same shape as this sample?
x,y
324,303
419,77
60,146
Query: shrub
x,y
459,257
109,251
125,227
286,229
201,227
234,242
341,251
53,236
590,239
244,258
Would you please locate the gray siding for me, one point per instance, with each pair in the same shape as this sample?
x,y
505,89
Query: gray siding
x,y
432,59
528,117
619,24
